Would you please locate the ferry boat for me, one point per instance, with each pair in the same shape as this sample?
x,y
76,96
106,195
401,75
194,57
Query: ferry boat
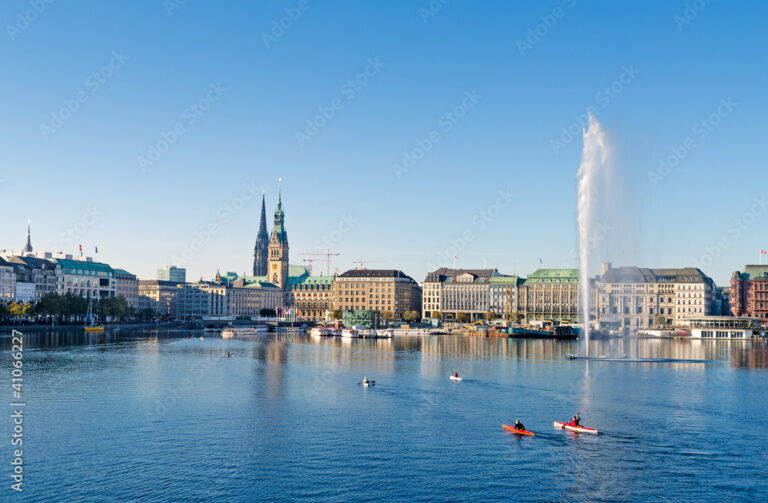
x,y
230,332
350,333
324,331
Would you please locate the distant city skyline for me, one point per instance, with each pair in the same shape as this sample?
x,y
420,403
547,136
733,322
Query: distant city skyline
x,y
138,128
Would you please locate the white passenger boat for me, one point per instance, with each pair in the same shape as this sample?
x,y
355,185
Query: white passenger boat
x,y
324,331
230,332
350,333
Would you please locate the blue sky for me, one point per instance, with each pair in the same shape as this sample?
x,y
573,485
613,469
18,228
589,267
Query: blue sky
x,y
407,132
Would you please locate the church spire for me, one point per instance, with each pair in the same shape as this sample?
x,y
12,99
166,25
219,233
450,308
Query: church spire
x,y
262,243
28,247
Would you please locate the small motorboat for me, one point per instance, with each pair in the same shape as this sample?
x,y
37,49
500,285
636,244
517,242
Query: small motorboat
x,y
455,378
514,430
575,429
367,382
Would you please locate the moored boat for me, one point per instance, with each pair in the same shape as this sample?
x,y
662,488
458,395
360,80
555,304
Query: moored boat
x,y
350,333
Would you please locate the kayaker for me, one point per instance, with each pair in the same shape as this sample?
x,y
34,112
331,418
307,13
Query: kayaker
x,y
455,374
519,425
575,420
365,380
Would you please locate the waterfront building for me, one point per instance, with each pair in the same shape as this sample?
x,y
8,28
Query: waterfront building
x,y
749,292
388,291
261,250
127,286
158,296
7,281
85,278
632,298
311,297
504,295
550,294
44,273
24,290
453,292
173,274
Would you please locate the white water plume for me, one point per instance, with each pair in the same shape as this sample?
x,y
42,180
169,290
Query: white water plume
x,y
593,172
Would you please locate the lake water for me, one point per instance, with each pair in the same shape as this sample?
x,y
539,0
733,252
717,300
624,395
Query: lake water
x,y
144,415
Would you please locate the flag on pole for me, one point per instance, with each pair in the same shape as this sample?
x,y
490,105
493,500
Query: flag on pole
x,y
81,250
97,249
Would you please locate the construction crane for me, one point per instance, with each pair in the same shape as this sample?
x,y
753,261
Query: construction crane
x,y
327,256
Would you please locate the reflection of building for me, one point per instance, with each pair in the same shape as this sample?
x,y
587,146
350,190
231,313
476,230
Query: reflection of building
x,y
749,292
172,273
550,294
384,290
632,298
127,286
454,291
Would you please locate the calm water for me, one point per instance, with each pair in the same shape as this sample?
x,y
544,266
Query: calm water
x,y
153,416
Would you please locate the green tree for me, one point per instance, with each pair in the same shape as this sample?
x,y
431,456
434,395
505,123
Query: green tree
x,y
3,311
336,314
661,320
20,309
490,315
387,315
464,317
410,315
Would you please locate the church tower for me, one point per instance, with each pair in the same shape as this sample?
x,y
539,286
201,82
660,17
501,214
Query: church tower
x,y
261,251
278,249
28,246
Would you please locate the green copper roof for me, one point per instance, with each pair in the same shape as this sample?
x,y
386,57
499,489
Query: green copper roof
x,y
81,265
554,276
755,271
504,279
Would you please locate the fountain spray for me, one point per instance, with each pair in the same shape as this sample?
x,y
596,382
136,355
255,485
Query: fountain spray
x,y
594,164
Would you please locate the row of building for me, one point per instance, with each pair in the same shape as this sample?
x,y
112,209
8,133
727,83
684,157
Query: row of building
x,y
630,298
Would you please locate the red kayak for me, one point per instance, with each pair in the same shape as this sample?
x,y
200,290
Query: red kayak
x,y
577,429
514,430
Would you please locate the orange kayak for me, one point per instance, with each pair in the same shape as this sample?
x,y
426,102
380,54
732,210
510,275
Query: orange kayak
x,y
514,430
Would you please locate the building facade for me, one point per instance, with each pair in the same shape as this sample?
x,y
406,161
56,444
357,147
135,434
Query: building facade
x,y
311,298
388,291
504,295
172,273
7,281
127,286
278,249
85,278
749,292
550,294
453,292
158,296
633,298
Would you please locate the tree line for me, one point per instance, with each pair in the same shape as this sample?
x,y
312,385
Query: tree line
x,y
70,308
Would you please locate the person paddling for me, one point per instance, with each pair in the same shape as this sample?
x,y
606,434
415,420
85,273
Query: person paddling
x,y
575,420
519,425
455,374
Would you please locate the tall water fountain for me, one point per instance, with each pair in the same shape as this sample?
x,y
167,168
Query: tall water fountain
x,y
593,170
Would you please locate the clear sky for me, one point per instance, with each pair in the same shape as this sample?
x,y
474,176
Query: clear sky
x,y
407,132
